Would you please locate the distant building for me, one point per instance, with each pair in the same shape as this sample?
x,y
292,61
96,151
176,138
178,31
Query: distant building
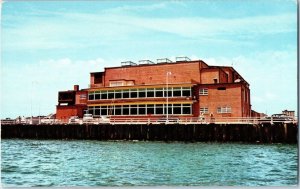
x,y
257,114
185,88
288,113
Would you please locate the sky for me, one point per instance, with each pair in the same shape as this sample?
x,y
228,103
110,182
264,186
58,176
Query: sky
x,y
48,46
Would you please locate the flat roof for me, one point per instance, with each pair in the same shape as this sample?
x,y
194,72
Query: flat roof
x,y
158,64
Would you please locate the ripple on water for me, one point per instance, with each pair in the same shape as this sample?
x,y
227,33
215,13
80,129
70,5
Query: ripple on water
x,y
96,163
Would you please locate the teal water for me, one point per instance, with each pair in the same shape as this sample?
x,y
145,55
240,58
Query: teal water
x,y
123,163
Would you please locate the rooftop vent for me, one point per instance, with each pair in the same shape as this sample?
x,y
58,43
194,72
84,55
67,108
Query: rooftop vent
x,y
128,63
182,59
146,62
163,60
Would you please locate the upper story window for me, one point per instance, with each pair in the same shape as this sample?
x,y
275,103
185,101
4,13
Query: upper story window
x,y
225,109
116,83
203,91
83,96
98,77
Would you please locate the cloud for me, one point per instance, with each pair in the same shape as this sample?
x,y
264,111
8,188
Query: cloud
x,y
138,8
40,82
63,30
272,76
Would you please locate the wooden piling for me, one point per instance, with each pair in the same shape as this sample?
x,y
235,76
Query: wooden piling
x,y
263,133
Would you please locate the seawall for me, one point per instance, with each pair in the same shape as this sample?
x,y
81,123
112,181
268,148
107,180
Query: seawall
x,y
250,133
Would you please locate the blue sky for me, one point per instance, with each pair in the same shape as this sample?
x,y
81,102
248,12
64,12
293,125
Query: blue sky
x,y
48,46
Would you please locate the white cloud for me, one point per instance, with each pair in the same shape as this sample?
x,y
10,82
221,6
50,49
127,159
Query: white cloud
x,y
79,30
272,76
35,86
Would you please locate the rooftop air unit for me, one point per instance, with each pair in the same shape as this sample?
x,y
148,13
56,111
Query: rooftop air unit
x,y
182,59
128,63
163,60
146,62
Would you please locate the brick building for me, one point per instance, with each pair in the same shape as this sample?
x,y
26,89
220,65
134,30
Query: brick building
x,y
187,88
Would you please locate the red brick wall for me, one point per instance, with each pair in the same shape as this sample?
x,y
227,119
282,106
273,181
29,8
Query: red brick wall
x,y
208,75
229,73
79,100
156,74
223,77
65,112
219,98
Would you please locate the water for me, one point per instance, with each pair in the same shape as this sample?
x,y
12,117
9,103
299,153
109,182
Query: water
x,y
95,163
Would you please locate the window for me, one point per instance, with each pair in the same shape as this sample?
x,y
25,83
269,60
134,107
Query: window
x,y
98,77
133,93
91,96
169,106
186,91
159,92
126,110
133,109
83,96
103,94
126,94
177,91
153,109
150,109
177,109
118,110
203,110
118,94
142,93
186,109
159,109
168,92
115,83
203,91
111,95
225,109
91,110
142,110
97,95
150,92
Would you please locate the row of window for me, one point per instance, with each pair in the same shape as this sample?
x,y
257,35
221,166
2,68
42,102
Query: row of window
x,y
153,109
141,93
225,109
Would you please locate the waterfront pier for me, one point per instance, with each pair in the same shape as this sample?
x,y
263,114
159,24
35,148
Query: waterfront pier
x,y
212,132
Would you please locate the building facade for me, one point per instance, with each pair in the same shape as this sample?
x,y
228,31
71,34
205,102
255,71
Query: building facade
x,y
185,88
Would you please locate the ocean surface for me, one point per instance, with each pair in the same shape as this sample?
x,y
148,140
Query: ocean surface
x,y
124,163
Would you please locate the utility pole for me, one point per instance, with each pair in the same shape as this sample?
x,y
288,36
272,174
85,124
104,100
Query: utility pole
x,y
167,89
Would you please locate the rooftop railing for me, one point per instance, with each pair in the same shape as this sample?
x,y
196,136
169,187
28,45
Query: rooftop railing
x,y
163,60
146,62
128,63
182,59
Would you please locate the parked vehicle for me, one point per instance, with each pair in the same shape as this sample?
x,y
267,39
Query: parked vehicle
x,y
276,118
21,120
74,120
104,119
281,118
8,121
88,118
50,119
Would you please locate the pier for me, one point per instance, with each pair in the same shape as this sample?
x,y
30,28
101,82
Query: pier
x,y
212,132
